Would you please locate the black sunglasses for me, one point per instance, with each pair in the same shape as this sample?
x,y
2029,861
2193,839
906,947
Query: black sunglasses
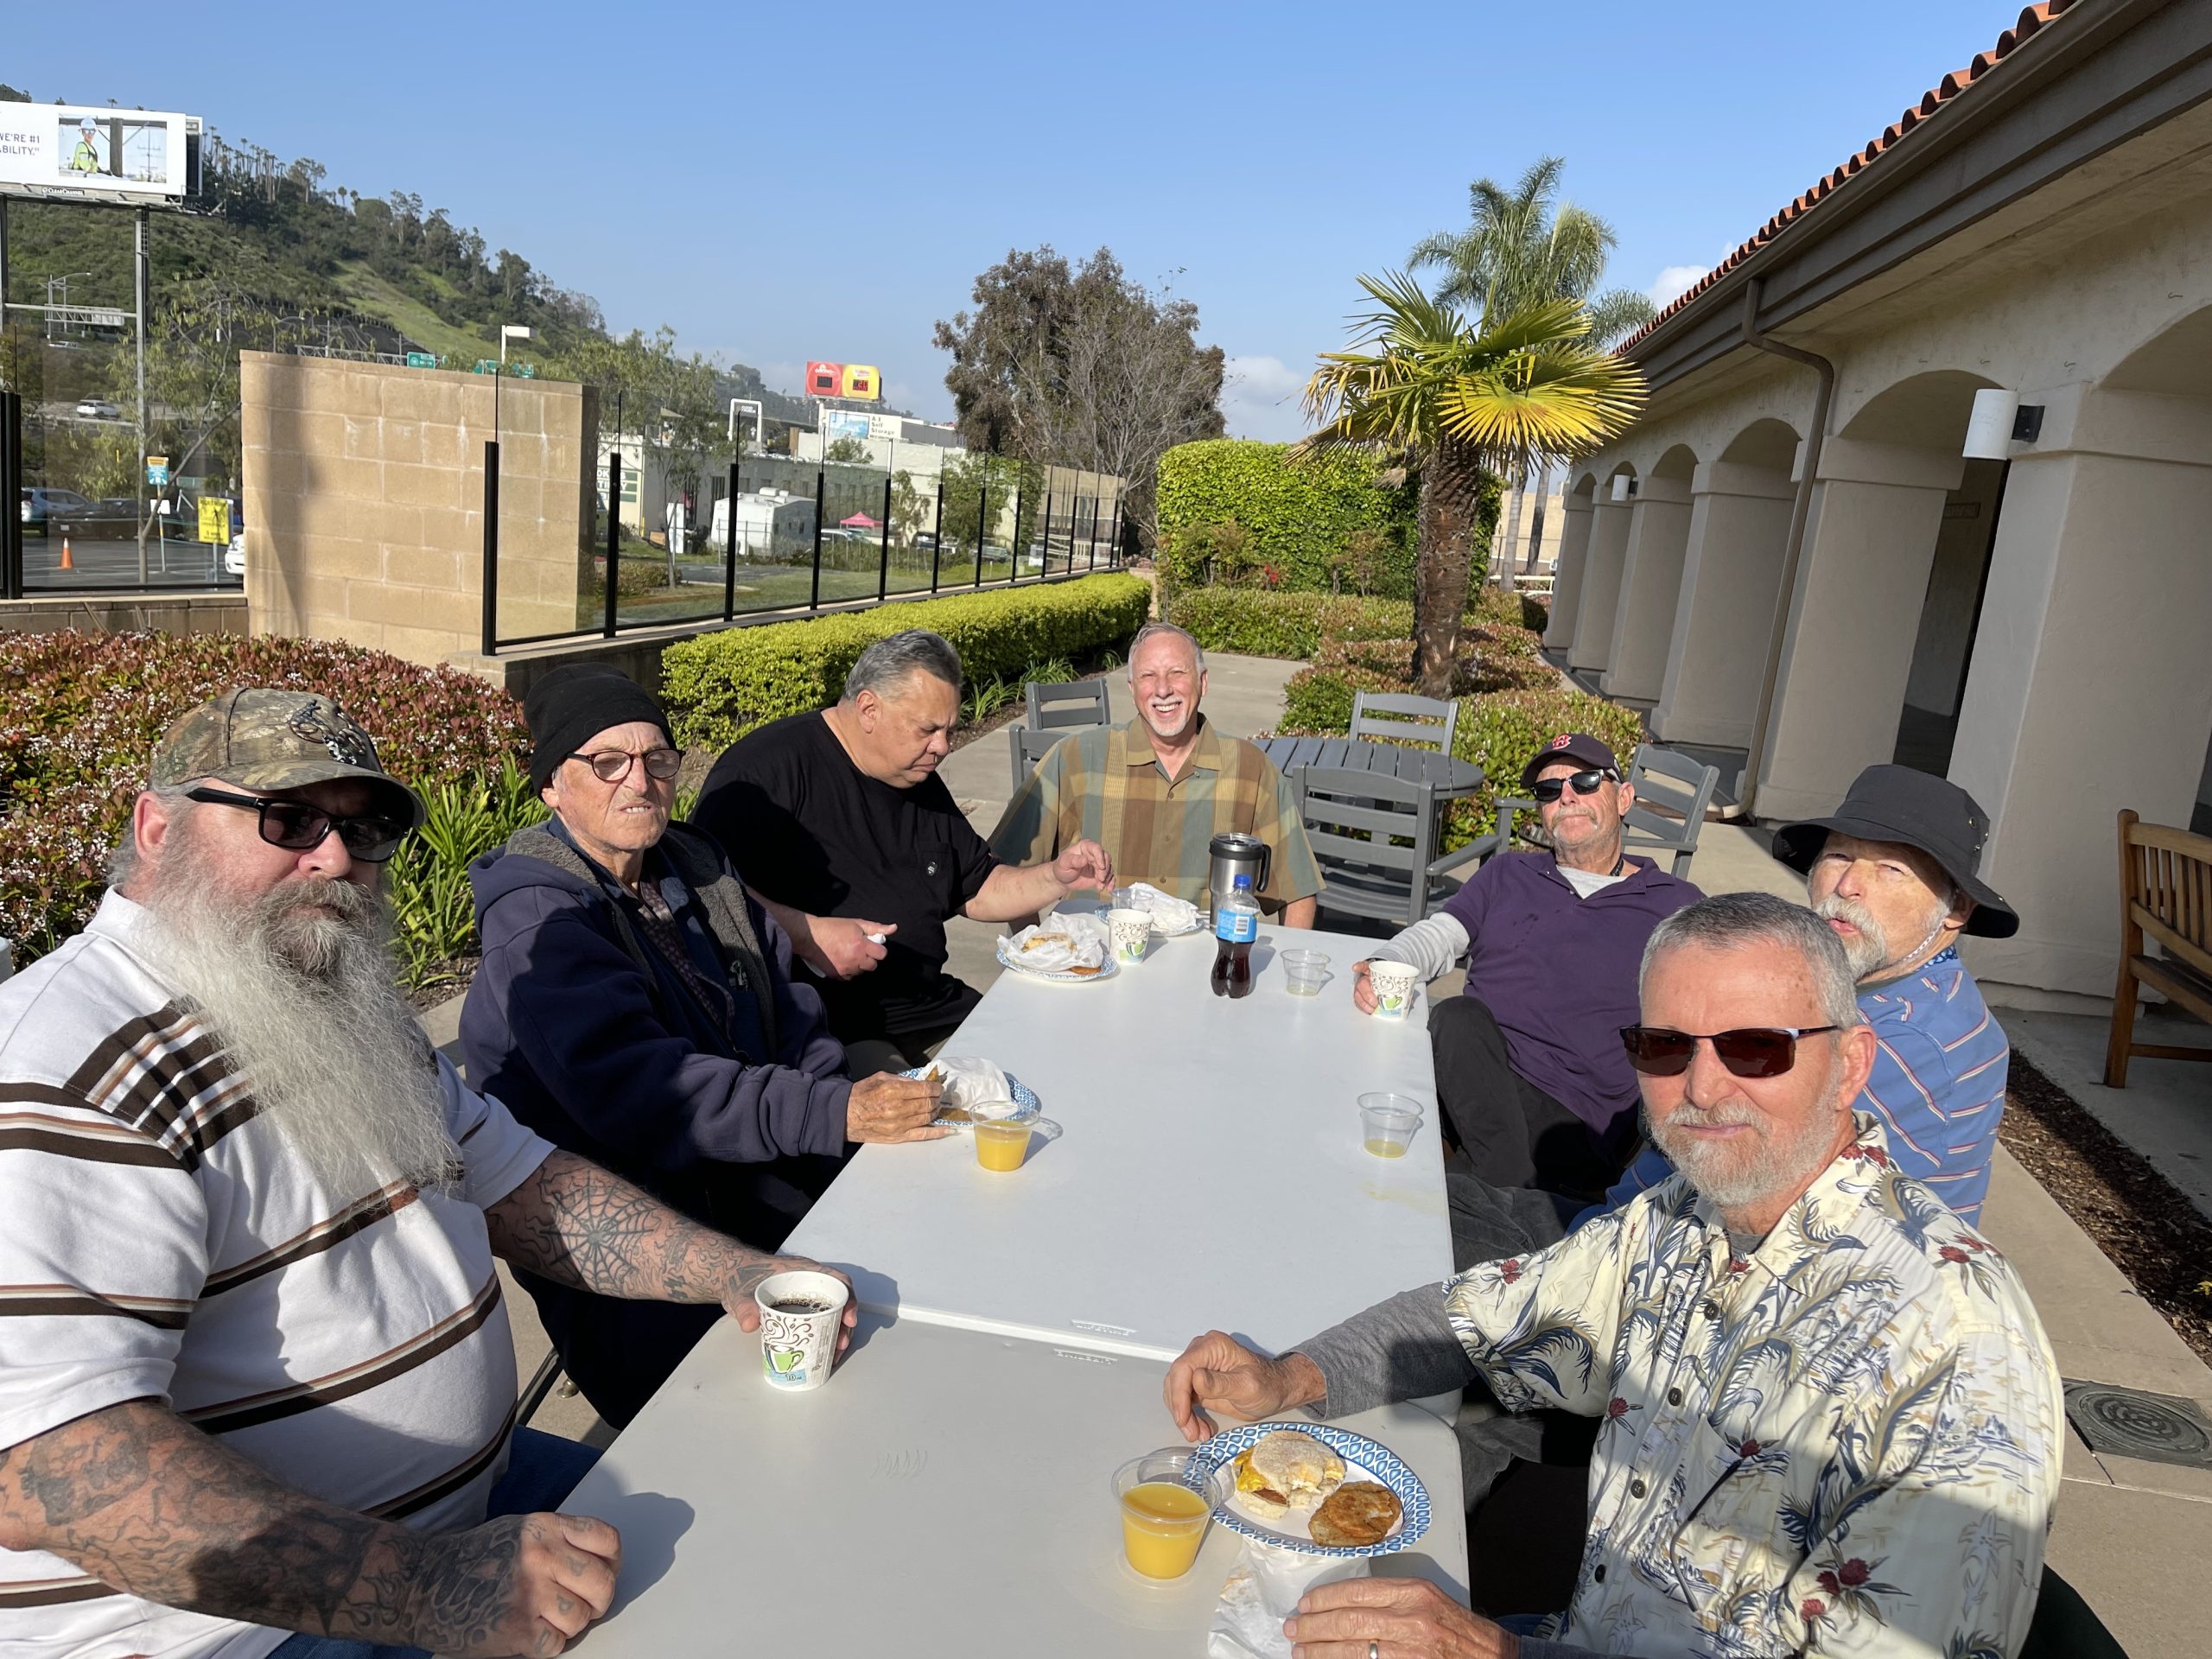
x,y
613,766
1751,1051
297,825
1586,782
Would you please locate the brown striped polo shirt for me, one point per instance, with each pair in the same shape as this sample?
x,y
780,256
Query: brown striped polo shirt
x,y
158,1240
1106,784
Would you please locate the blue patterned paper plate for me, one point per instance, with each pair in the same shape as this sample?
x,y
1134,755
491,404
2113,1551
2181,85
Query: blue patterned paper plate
x,y
1364,1460
1026,1104
1012,962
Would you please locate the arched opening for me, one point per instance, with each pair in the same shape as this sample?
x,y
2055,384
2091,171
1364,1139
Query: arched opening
x,y
1883,612
1931,411
1651,580
2089,692
2177,365
1576,515
1731,581
1591,649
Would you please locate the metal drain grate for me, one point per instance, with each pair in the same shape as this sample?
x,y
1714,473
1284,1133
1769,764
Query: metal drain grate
x,y
2130,1423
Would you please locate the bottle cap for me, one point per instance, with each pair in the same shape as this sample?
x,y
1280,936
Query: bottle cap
x,y
1242,883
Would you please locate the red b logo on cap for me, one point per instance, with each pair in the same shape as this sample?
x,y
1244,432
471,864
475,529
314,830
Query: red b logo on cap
x,y
1562,740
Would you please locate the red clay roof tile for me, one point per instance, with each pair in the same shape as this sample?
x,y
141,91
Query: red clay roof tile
x,y
2031,19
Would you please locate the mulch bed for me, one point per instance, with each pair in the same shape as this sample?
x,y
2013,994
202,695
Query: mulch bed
x,y
2146,1226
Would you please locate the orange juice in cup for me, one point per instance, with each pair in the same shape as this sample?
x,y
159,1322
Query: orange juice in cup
x,y
1003,1143
1163,1522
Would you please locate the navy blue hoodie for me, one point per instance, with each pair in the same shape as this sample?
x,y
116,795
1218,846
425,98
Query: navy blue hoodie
x,y
623,1066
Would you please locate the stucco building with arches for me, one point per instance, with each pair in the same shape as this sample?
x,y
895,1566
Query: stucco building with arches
x,y
1793,555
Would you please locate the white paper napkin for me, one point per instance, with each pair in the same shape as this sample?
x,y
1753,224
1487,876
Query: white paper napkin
x,y
1261,1591
971,1084
1169,913
1064,942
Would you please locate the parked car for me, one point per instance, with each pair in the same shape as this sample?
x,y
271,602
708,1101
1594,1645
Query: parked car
x,y
99,408
234,555
38,501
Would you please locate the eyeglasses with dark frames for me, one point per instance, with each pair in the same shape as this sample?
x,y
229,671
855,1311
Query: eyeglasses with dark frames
x,y
1548,790
297,825
613,766
1749,1051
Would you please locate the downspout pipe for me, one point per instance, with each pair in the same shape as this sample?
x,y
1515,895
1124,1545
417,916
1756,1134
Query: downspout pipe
x,y
1793,547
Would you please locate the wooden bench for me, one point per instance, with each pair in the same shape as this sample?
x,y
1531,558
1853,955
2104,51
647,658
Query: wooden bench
x,y
2165,893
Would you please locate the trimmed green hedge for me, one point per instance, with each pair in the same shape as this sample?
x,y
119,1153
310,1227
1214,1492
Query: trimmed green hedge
x,y
1256,623
719,686
1300,514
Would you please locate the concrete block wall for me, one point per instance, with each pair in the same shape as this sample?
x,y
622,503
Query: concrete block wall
x,y
178,613
364,491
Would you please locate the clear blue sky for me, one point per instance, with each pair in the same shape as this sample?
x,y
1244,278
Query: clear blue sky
x,y
796,182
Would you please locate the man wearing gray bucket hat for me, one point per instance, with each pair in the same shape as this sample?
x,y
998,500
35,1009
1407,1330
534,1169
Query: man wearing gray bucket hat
x,y
1896,872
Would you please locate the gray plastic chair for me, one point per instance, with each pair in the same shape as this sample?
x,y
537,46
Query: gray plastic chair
x,y
1375,837
1672,793
1427,722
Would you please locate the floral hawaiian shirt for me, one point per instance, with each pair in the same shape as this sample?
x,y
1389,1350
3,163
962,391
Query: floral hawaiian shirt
x,y
1847,1444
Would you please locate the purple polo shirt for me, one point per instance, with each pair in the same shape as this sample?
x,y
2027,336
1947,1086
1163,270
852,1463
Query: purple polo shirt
x,y
1558,973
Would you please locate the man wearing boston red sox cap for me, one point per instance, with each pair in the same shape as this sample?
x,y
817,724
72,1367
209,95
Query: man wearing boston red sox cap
x,y
1529,1072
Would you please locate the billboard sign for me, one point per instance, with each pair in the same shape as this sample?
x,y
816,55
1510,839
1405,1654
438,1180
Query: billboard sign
x,y
861,380
838,423
825,380
97,154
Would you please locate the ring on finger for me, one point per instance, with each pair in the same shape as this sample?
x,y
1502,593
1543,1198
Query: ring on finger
x,y
1374,1650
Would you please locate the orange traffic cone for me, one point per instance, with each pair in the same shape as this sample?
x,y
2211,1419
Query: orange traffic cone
x,y
67,562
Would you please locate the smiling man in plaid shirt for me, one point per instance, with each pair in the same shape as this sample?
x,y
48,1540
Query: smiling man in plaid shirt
x,y
1155,793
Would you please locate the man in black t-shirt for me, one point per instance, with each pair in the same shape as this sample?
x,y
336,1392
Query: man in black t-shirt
x,y
841,828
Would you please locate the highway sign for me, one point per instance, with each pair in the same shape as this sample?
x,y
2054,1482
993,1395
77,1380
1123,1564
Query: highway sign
x,y
422,359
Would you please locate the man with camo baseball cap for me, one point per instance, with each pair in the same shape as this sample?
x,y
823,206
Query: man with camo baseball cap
x,y
247,1249
271,740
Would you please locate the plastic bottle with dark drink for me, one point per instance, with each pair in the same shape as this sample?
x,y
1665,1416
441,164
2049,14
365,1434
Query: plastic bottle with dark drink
x,y
1235,926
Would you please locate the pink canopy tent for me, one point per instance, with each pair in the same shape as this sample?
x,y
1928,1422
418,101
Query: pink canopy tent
x,y
859,521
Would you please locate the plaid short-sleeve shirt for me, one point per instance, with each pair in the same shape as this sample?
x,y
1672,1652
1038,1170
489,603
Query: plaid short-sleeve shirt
x,y
1106,784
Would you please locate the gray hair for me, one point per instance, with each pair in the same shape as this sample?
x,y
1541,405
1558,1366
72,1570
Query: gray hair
x,y
1731,920
888,662
1156,630
123,859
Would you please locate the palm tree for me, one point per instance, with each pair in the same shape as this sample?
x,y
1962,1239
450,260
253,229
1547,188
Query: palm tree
x,y
1525,246
1522,247
1495,396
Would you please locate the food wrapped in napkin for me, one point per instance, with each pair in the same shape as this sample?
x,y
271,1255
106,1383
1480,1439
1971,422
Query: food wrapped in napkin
x,y
1169,913
969,1088
1261,1591
1060,944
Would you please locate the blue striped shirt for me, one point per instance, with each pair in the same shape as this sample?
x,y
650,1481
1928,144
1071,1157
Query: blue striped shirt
x,y
1937,1086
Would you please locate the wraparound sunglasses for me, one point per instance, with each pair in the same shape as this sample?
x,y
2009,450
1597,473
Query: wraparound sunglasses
x,y
1749,1052
297,825
1586,782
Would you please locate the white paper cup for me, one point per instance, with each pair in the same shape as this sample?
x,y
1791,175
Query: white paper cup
x,y
798,1346
1397,984
1132,929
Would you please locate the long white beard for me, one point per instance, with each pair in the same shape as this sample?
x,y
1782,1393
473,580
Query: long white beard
x,y
306,1007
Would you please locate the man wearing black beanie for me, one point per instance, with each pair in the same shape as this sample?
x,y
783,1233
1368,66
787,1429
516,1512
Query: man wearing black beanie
x,y
635,1005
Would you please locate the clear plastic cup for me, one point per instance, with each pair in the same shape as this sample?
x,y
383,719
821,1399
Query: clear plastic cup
x,y
1163,1521
1388,1123
1003,1144
1304,971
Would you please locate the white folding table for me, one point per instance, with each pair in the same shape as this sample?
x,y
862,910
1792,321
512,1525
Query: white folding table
x,y
946,1492
1211,1173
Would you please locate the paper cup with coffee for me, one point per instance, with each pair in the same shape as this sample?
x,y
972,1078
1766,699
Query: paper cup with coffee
x,y
1397,984
801,1313
1131,930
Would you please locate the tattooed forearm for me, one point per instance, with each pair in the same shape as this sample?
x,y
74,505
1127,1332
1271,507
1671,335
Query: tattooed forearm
x,y
150,1505
577,1224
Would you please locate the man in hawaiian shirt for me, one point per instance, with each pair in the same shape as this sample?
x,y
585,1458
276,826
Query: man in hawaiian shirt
x,y
1829,1419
